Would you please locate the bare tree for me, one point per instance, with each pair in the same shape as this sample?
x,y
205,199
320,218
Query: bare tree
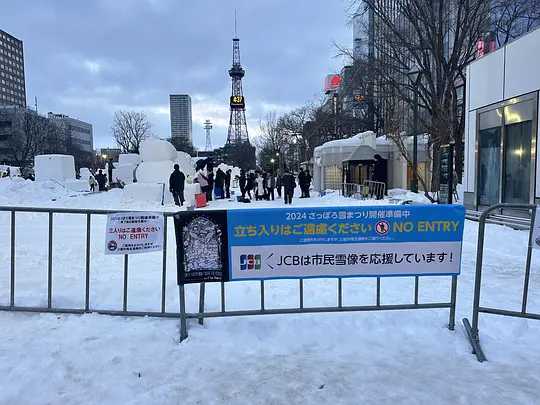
x,y
513,18
29,134
129,129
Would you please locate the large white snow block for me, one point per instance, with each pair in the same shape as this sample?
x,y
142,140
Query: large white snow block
x,y
151,192
155,150
155,172
54,167
128,159
124,172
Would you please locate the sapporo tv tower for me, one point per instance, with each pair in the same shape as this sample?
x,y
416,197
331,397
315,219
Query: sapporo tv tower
x,y
238,151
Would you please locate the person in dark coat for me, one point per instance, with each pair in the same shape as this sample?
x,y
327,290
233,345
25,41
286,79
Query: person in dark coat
x,y
242,182
176,185
278,184
228,183
101,180
288,186
307,183
250,185
302,182
219,184
210,184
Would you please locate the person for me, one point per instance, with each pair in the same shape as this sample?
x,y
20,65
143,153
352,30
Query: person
x,y
228,184
302,183
307,183
101,180
270,185
242,181
203,182
210,183
278,184
176,185
250,184
219,184
288,186
92,182
259,191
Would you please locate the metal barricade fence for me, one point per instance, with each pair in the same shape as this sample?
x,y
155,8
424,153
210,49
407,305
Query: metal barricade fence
x,y
472,330
368,189
301,308
374,189
182,314
50,269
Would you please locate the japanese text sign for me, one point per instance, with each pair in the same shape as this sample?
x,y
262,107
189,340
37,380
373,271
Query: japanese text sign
x,y
134,232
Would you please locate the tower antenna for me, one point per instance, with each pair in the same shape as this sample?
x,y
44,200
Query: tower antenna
x,y
235,34
208,126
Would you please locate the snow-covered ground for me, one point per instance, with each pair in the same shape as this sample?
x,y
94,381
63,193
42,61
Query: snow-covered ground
x,y
350,358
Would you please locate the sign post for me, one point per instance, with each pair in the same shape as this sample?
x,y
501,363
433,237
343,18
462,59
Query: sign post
x,y
446,174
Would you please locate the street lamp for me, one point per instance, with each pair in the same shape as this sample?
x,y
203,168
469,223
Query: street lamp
x,y
273,171
415,76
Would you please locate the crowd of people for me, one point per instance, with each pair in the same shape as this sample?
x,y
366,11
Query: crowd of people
x,y
254,184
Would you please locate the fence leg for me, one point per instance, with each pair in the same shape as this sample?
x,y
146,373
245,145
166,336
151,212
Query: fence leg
x,y
378,291
453,294
125,281
301,286
164,269
222,296
340,293
528,266
12,277
416,282
183,321
87,273
49,262
201,303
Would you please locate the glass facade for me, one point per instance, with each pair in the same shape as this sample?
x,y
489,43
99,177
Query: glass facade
x,y
506,151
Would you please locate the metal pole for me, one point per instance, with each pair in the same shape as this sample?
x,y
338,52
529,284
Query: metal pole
x,y
340,293
478,275
222,296
262,295
378,291
301,285
183,323
164,264
87,276
528,265
125,281
201,303
416,280
452,319
414,183
12,278
49,264
334,99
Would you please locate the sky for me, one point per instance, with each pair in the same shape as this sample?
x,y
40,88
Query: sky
x,y
88,59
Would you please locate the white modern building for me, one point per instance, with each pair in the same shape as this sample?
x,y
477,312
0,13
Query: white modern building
x,y
501,126
181,122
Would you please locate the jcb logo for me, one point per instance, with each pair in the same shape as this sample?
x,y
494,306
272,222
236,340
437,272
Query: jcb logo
x,y
250,262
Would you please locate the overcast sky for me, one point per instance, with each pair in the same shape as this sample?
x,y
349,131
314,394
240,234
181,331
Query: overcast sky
x,y
90,58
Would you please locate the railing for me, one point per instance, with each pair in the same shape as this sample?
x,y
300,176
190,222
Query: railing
x,y
368,189
52,212
472,330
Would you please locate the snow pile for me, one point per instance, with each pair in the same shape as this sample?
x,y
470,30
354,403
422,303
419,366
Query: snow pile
x,y
407,195
80,185
84,173
17,191
54,167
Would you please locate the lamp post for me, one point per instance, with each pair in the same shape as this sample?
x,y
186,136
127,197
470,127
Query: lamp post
x,y
415,76
334,103
273,171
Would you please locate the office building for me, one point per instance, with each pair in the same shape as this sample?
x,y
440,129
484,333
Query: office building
x,y
12,87
181,125
79,134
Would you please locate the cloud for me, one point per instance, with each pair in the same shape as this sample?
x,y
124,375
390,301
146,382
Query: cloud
x,y
87,59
